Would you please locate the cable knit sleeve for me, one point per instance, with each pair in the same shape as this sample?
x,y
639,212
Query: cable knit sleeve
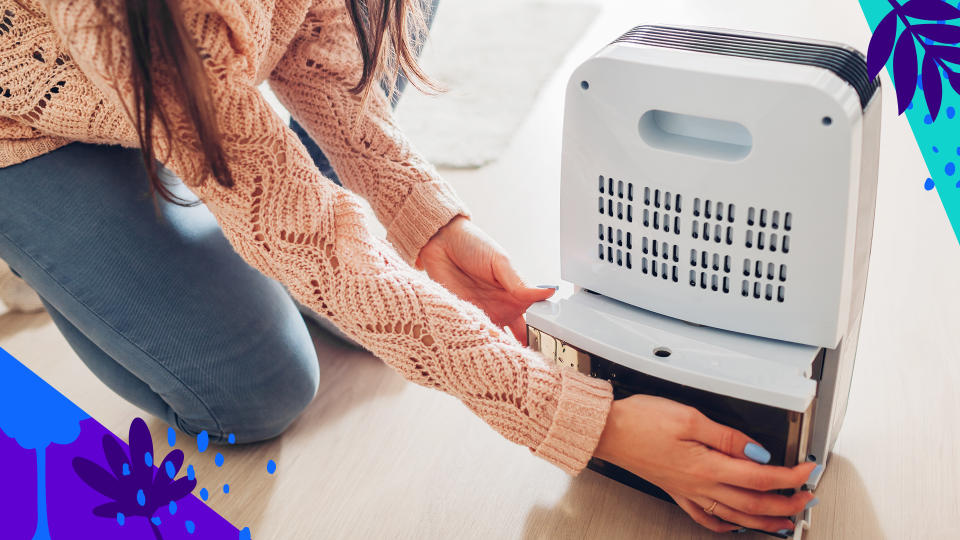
x,y
292,224
365,147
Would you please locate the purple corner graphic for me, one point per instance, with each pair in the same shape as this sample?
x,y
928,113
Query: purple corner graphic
x,y
67,476
937,39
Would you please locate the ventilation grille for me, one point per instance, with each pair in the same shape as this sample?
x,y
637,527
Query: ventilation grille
x,y
616,198
768,232
713,226
661,210
763,280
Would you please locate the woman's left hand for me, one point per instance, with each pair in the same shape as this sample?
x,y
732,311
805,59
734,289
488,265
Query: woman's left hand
x,y
466,261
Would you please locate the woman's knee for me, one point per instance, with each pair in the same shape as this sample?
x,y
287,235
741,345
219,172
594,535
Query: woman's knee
x,y
259,403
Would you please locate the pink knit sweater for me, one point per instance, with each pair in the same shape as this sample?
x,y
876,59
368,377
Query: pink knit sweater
x,y
64,68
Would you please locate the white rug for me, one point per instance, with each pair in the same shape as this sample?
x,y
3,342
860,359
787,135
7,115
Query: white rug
x,y
493,56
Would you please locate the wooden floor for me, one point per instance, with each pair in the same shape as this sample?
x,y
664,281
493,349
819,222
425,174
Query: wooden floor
x,y
375,456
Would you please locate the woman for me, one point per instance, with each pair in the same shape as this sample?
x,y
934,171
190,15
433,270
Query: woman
x,y
170,317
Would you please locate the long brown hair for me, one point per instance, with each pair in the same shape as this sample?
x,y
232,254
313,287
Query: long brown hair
x,y
388,35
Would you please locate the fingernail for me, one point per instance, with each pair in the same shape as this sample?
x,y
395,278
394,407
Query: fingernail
x,y
554,287
815,475
813,502
784,532
740,530
756,453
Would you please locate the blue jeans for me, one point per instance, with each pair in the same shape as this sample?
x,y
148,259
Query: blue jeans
x,y
159,307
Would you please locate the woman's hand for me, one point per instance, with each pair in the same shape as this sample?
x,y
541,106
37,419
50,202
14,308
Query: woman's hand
x,y
698,461
462,258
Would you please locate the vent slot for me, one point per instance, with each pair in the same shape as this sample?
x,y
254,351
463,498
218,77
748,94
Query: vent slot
x,y
709,270
771,233
662,210
615,198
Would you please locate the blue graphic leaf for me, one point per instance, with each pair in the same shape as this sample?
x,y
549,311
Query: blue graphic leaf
x,y
96,477
945,53
905,70
944,33
930,10
881,44
932,85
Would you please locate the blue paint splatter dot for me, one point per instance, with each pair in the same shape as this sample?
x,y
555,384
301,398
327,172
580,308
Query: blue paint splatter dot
x,y
141,498
121,519
245,533
909,105
951,112
203,439
226,488
171,436
190,526
271,466
203,493
171,471
126,469
148,459
218,459
935,149
172,507
231,438
950,168
191,474
155,520
920,79
928,185
927,119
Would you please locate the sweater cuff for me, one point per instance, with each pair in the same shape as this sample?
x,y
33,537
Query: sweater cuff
x,y
578,421
430,206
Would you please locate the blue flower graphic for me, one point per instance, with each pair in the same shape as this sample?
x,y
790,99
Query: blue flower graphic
x,y
133,486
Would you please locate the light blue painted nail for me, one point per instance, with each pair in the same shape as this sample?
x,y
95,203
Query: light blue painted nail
x,y
784,532
813,502
740,530
756,453
554,287
815,475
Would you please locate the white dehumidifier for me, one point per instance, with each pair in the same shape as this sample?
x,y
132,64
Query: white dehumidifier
x,y
717,205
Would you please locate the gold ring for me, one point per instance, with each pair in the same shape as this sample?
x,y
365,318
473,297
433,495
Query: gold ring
x,y
711,508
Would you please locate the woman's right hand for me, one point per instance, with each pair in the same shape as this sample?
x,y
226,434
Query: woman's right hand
x,y
697,462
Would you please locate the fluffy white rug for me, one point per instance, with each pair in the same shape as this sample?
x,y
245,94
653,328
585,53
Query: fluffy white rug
x,y
493,56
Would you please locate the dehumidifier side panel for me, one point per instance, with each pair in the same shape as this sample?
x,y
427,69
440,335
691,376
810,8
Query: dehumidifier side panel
x,y
838,363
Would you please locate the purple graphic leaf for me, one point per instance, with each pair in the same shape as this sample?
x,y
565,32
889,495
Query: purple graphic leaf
x,y
180,488
930,10
954,79
97,477
905,70
141,443
108,510
115,455
176,458
932,85
945,53
944,33
881,44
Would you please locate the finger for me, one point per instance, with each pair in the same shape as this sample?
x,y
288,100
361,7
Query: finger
x,y
510,280
760,523
696,512
519,329
753,476
761,504
728,440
